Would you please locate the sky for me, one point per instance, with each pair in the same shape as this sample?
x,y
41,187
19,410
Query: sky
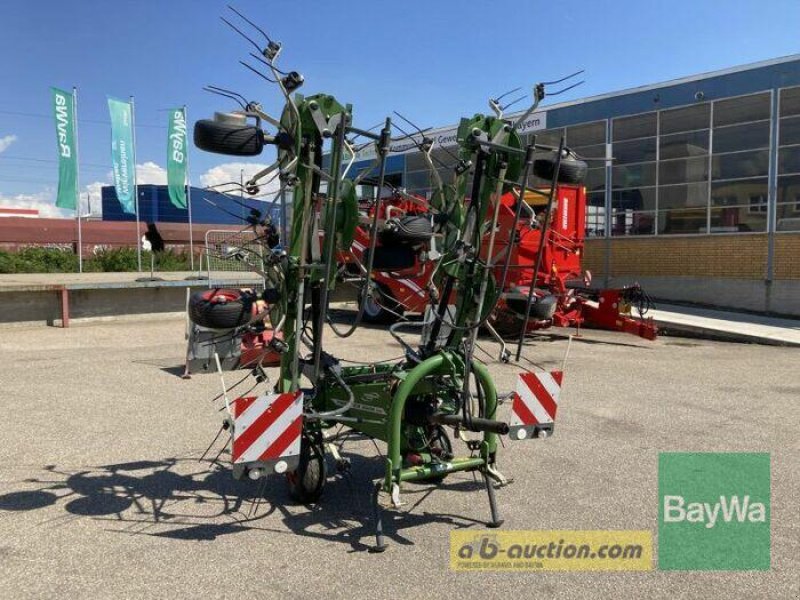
x,y
433,60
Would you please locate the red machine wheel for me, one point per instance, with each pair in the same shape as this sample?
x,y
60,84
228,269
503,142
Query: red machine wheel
x,y
220,308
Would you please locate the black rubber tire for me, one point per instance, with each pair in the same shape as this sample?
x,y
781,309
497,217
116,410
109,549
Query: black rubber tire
x,y
542,307
219,308
228,138
411,229
375,312
307,482
572,169
394,257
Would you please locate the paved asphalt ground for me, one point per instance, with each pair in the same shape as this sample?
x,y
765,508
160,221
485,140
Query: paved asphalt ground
x,y
102,494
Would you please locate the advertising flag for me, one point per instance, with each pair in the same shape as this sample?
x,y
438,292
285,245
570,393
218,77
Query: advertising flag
x,y
64,111
176,157
122,153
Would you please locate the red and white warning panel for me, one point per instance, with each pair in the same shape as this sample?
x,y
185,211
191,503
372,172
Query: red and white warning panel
x,y
533,411
266,431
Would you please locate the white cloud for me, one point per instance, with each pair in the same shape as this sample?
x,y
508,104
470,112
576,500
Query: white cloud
x,y
146,173
6,141
95,195
150,172
43,201
232,172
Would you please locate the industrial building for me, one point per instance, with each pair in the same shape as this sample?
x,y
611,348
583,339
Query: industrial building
x,y
693,187
207,207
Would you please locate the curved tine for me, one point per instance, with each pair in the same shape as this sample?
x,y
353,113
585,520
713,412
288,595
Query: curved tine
x,y
223,94
512,103
360,147
406,135
267,63
262,60
219,208
409,122
566,89
231,92
563,78
418,144
237,190
450,154
257,72
241,33
253,25
212,188
358,135
507,93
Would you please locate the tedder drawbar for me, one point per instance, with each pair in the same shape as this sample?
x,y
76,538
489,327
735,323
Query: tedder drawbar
x,y
438,387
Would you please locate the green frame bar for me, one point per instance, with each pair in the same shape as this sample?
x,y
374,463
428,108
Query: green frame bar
x,y
437,364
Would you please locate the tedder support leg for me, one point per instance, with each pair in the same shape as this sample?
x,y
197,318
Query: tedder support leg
x,y
380,543
496,520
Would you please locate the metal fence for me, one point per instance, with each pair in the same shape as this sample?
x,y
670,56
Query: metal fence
x,y
229,252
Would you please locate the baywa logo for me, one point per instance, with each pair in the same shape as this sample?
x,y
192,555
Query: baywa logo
x,y
714,511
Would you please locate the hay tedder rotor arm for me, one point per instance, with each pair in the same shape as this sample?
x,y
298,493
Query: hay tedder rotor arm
x,y
407,403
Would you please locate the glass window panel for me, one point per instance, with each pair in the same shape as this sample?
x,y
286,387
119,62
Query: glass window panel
x,y
441,156
682,221
417,180
733,219
788,216
595,214
789,160
683,170
788,188
680,145
634,199
596,151
790,101
686,119
628,222
447,175
415,161
548,137
596,179
737,193
741,137
741,110
789,131
740,164
634,151
627,176
637,126
596,199
586,135
690,195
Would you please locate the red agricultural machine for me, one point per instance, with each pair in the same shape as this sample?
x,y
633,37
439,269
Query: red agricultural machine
x,y
562,294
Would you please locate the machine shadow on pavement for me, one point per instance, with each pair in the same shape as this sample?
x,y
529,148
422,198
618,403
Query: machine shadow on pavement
x,y
184,499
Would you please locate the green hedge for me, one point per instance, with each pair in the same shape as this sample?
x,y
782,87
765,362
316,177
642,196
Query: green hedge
x,y
36,259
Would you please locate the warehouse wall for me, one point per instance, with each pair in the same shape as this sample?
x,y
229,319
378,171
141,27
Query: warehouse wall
x,y
729,271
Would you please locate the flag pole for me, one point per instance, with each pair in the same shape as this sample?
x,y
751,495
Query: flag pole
x,y
136,189
77,176
189,195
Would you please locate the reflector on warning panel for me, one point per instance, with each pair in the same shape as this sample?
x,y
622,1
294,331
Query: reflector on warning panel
x,y
266,430
533,410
